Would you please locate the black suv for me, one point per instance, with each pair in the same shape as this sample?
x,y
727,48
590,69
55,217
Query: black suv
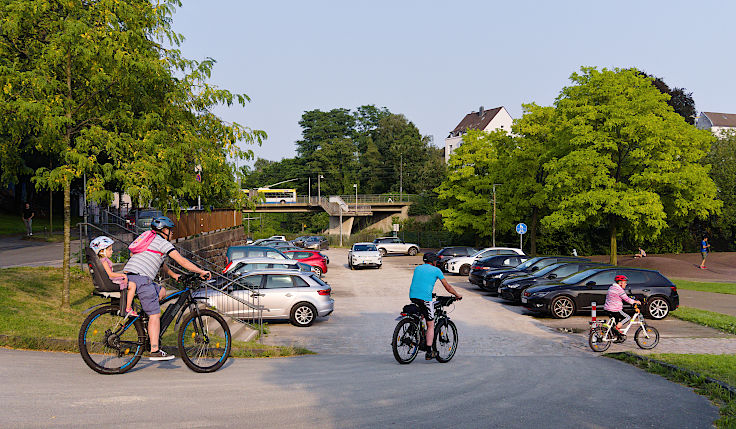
x,y
515,284
577,292
493,278
481,266
446,253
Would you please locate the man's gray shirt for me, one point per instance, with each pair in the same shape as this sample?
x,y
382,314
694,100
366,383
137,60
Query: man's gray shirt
x,y
148,263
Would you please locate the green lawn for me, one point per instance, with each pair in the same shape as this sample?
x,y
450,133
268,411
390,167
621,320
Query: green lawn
x,y
720,367
729,288
13,224
30,316
711,319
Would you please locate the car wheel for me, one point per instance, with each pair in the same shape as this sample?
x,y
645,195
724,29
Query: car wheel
x,y
562,307
465,270
378,266
413,251
382,251
303,314
318,271
658,308
282,202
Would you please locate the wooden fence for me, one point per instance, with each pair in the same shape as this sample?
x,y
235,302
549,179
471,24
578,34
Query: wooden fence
x,y
199,222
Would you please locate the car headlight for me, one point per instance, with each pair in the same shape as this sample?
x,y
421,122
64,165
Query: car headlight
x,y
539,294
513,285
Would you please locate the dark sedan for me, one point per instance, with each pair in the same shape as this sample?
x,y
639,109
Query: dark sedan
x,y
514,285
498,262
446,253
577,293
493,278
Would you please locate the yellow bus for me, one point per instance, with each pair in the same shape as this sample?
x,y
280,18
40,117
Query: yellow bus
x,y
273,196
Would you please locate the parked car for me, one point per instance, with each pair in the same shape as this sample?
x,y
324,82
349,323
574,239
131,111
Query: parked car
x,y
241,266
577,292
284,246
240,252
299,241
481,266
388,245
493,278
447,253
267,242
514,285
284,294
311,257
316,242
139,220
364,254
277,237
461,265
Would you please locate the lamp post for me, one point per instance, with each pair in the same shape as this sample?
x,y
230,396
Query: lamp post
x,y
340,206
319,191
494,213
355,185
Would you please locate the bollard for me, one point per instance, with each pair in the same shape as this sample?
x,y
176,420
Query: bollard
x,y
593,310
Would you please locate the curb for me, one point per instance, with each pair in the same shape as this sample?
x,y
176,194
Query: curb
x,y
729,388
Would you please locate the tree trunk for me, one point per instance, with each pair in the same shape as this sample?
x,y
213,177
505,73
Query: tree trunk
x,y
67,245
533,231
51,212
614,258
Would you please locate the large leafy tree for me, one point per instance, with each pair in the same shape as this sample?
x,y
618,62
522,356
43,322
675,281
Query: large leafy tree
x,y
91,84
722,157
631,163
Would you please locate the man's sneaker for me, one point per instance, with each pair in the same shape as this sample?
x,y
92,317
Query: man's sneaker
x,y
430,355
161,355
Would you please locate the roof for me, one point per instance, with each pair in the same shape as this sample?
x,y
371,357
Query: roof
x,y
721,119
476,120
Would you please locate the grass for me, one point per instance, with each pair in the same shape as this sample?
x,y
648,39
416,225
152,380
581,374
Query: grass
x,y
715,366
12,224
711,319
727,288
31,317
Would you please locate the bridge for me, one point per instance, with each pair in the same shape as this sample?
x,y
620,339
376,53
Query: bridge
x,y
347,211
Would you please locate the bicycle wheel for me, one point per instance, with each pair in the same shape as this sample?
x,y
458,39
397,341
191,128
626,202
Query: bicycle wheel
x,y
110,344
204,341
405,342
649,340
445,340
597,340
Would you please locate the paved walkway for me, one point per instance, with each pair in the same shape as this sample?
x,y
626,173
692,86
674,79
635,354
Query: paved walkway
x,y
718,302
17,252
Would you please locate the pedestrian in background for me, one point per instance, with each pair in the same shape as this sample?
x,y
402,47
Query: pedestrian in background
x,y
28,219
704,249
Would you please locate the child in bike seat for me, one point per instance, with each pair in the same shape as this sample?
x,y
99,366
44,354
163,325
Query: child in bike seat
x,y
614,302
102,246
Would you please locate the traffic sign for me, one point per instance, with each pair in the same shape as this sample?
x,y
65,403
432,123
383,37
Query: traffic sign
x,y
521,228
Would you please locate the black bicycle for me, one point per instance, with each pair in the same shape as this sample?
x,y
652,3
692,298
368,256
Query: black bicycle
x,y
113,344
410,333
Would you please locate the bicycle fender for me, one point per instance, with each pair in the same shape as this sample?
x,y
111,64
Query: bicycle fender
x,y
94,307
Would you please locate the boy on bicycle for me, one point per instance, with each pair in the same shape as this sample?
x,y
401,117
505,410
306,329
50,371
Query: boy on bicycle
x,y
614,303
143,267
420,293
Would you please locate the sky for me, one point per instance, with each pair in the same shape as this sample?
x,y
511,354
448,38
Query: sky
x,y
434,61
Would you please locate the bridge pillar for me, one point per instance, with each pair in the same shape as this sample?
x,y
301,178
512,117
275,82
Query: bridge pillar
x,y
347,225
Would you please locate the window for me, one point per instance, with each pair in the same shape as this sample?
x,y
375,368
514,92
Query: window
x,y
299,282
636,277
566,270
278,281
274,255
603,279
244,268
255,254
252,282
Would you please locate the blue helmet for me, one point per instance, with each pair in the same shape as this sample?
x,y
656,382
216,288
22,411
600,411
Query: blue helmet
x,y
161,222
100,243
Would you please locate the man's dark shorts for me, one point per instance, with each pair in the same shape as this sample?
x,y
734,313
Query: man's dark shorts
x,y
425,307
147,292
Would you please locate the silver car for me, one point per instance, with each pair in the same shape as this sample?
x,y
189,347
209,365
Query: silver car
x,y
245,265
284,294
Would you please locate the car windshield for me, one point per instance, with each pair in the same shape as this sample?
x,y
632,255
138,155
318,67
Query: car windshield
x,y
365,248
545,270
528,263
579,277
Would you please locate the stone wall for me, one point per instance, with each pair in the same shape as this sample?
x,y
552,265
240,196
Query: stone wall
x,y
212,247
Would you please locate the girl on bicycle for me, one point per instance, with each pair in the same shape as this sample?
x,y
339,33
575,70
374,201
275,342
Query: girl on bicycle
x,y
614,302
102,246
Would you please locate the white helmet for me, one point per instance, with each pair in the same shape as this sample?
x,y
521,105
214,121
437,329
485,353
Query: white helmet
x,y
100,243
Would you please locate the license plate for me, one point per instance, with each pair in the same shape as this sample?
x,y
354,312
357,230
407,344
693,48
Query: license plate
x,y
524,300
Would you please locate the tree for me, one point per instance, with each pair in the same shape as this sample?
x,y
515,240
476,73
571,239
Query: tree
x,y
631,163
318,127
722,157
681,101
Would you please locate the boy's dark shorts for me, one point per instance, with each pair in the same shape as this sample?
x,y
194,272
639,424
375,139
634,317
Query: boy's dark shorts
x,y
147,292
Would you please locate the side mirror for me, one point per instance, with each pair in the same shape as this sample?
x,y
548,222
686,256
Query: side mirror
x,y
552,276
535,269
590,284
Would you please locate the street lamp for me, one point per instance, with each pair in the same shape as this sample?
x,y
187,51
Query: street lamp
x,y
355,185
319,191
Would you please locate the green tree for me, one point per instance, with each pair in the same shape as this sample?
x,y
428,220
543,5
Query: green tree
x,y
631,163
722,157
319,127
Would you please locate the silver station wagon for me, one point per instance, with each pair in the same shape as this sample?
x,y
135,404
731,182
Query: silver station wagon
x,y
285,294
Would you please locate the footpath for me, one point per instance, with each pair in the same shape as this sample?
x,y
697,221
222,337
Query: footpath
x,y
15,251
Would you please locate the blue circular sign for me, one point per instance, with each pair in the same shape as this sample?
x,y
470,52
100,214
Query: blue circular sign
x,y
521,228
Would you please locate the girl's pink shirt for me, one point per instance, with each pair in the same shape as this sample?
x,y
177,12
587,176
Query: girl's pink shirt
x,y
120,281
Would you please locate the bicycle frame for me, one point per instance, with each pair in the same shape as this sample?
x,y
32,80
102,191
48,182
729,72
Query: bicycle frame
x,y
636,319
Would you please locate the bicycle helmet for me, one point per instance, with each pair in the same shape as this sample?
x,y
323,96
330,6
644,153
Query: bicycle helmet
x,y
620,277
161,222
100,243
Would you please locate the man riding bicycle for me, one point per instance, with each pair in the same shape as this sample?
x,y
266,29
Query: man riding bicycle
x,y
420,293
143,267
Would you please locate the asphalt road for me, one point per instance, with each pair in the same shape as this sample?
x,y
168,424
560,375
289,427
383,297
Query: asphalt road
x,y
17,252
509,371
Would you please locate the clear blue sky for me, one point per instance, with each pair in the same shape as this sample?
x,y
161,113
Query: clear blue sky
x,y
436,61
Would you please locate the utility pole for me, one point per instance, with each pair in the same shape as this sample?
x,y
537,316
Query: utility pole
x,y
319,191
340,206
401,178
309,190
494,213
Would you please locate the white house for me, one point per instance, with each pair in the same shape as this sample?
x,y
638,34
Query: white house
x,y
717,123
486,120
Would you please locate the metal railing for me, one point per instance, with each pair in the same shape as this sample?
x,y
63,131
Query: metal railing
x,y
231,297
